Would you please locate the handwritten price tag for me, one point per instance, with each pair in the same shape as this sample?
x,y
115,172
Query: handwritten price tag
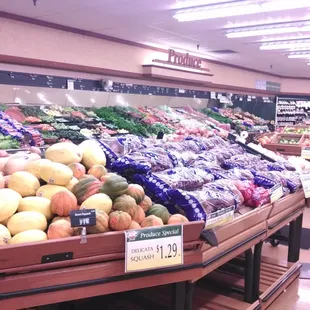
x,y
153,248
305,180
276,193
305,153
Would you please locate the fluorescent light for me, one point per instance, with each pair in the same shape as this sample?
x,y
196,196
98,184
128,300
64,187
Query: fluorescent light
x,y
267,30
238,8
285,45
299,55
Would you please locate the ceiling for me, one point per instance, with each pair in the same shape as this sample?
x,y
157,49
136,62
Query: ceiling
x,y
151,22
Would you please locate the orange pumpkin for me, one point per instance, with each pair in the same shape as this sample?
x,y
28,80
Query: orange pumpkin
x,y
63,202
77,169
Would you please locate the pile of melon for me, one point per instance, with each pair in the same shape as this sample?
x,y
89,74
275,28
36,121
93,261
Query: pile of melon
x,y
37,195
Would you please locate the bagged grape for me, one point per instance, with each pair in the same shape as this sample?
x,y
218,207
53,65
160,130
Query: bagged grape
x,y
111,156
246,188
126,166
269,179
185,178
260,196
155,188
293,180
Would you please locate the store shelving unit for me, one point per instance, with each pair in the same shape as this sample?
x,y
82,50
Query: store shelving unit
x,y
96,268
291,111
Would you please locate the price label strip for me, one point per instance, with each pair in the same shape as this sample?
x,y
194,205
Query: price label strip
x,y
305,180
305,153
83,218
153,248
220,218
276,193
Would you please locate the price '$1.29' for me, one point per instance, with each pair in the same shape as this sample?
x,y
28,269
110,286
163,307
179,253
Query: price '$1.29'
x,y
168,251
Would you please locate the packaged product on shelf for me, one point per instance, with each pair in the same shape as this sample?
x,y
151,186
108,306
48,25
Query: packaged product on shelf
x,y
185,178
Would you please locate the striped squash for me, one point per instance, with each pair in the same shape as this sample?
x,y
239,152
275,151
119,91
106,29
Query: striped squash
x,y
85,188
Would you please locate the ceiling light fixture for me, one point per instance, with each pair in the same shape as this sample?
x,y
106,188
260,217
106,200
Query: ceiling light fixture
x,y
285,45
299,55
261,30
238,8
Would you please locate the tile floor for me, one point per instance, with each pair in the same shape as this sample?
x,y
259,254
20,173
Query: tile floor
x,y
297,296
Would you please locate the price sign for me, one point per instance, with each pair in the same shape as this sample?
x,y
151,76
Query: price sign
x,y
83,218
276,193
153,248
305,153
305,180
220,218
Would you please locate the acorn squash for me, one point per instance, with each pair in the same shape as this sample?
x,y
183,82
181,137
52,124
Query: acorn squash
x,y
114,186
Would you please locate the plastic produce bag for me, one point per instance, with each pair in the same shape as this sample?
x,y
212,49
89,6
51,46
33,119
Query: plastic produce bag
x,y
260,196
185,178
127,167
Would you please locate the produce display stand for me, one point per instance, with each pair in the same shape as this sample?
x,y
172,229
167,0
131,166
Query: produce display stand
x,y
61,270
258,278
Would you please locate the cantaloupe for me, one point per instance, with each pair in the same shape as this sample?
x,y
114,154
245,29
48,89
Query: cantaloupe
x,y
5,235
26,220
98,171
70,185
33,235
64,153
134,225
56,174
60,229
34,167
62,203
177,219
47,191
92,154
146,203
151,221
15,164
9,201
38,204
77,169
119,220
100,202
139,215
2,181
102,223
24,183
136,191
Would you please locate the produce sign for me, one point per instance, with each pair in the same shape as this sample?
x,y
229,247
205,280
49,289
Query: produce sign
x,y
220,218
276,193
83,218
153,248
305,180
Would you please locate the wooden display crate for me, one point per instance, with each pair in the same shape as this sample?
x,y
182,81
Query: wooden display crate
x,y
295,200
69,252
235,237
84,270
287,149
275,277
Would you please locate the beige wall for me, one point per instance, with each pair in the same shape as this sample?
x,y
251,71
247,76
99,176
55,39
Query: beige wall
x,y
30,41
